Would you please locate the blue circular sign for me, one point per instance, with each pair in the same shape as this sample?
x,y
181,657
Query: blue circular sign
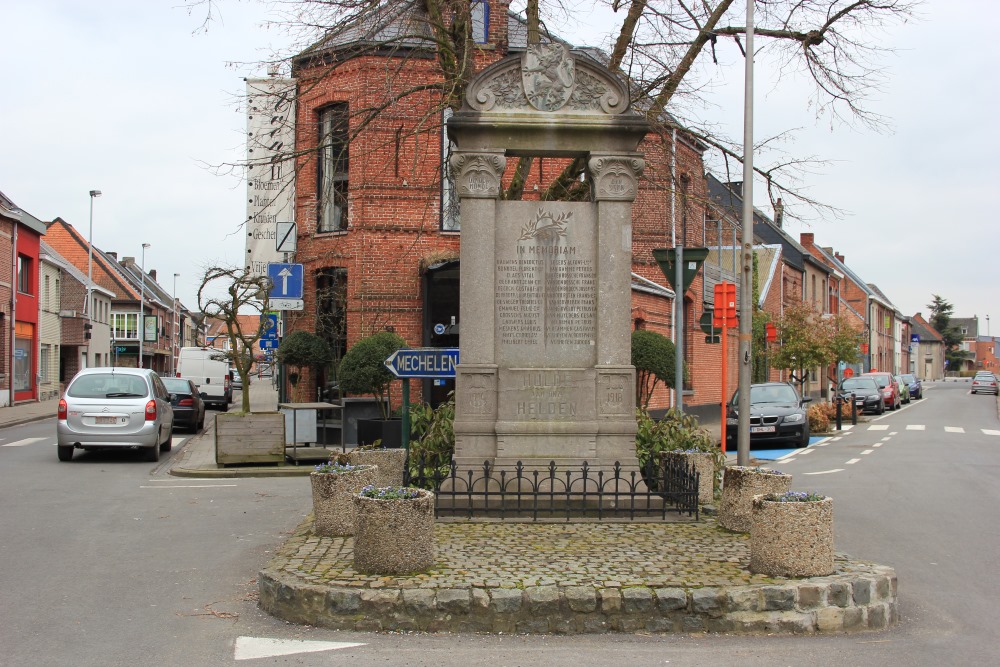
x,y
439,329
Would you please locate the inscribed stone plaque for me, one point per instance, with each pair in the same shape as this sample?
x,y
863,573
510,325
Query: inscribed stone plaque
x,y
546,288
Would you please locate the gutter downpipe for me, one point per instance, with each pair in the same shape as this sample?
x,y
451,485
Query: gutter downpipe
x,y
678,283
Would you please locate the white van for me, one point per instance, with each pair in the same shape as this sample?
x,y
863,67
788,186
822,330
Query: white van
x,y
211,376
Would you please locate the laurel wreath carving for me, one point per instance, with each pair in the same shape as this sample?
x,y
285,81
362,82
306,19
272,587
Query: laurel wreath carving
x,y
545,226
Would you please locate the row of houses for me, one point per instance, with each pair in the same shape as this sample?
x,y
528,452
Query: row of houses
x,y
65,305
379,232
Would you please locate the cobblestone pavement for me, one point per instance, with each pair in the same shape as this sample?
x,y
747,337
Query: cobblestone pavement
x,y
519,555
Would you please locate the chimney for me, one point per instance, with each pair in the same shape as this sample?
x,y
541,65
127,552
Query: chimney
x,y
125,261
779,213
840,258
152,274
806,239
112,255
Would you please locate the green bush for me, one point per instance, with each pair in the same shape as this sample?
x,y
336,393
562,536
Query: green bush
x,y
674,432
434,445
653,356
304,350
363,371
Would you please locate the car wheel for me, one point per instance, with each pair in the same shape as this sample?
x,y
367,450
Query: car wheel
x,y
201,423
805,437
224,407
168,443
881,408
153,453
65,452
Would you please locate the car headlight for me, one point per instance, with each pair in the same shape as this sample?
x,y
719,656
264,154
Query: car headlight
x,y
794,419
732,422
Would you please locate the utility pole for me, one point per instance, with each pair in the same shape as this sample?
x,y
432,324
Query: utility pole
x,y
746,285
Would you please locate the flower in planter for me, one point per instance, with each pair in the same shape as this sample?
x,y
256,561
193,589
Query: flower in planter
x,y
389,492
336,467
764,471
794,497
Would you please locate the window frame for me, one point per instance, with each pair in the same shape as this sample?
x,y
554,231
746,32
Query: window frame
x,y
332,171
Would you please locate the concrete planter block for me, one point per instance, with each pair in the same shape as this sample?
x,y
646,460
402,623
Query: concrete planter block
x,y
739,486
333,499
704,463
791,539
390,464
394,536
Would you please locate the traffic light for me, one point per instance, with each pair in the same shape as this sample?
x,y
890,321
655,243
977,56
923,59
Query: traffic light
x,y
725,305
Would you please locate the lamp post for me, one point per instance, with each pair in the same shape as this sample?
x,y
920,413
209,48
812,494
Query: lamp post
x,y
87,307
173,330
142,303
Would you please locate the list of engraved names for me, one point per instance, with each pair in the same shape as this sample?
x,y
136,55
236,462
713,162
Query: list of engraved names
x,y
545,296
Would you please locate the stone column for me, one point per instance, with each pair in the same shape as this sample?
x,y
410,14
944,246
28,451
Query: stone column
x,y
477,179
615,185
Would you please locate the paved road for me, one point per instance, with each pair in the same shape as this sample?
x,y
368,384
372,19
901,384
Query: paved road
x,y
109,561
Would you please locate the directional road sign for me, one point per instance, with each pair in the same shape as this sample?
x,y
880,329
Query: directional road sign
x,y
286,280
424,362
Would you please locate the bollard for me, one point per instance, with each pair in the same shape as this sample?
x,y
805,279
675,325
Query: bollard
x,y
854,410
840,409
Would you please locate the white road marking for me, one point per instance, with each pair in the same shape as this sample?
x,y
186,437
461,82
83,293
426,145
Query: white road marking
x,y
185,486
867,451
250,648
887,438
989,431
877,444
22,443
824,472
824,444
878,427
806,451
836,439
916,427
954,429
893,432
852,462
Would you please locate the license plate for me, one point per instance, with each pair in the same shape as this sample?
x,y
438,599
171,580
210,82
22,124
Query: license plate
x,y
859,402
762,429
106,420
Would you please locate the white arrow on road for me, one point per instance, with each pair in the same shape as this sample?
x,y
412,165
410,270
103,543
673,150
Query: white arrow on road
x,y
250,648
284,275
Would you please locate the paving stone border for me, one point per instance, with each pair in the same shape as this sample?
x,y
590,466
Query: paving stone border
x,y
858,596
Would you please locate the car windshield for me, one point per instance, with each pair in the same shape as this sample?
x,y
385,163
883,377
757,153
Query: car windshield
x,y
881,380
909,378
108,385
175,385
858,383
776,393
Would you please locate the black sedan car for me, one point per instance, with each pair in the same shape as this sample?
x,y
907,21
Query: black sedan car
x,y
777,414
867,396
188,403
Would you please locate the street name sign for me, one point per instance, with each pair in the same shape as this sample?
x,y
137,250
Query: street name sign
x,y
423,362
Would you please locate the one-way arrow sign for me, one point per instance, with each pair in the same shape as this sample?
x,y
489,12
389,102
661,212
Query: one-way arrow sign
x,y
286,280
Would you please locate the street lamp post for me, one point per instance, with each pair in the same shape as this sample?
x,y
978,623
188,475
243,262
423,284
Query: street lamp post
x,y
173,330
142,303
87,307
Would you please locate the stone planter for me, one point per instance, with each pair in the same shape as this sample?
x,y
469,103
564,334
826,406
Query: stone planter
x,y
791,539
394,536
258,437
333,499
739,485
390,464
704,463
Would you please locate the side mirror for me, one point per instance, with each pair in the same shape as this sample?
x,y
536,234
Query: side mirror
x,y
807,399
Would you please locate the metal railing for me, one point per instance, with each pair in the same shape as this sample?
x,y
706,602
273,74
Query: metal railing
x,y
553,491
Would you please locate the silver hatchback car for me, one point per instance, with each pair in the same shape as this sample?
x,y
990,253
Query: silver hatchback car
x,y
115,407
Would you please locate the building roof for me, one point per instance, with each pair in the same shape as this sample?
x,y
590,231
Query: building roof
x,y
879,295
923,328
49,254
67,241
12,211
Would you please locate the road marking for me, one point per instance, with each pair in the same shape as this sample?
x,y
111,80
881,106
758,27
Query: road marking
x,y
878,427
852,462
186,486
954,429
824,472
806,451
916,427
989,431
867,451
887,438
22,443
877,444
837,439
250,648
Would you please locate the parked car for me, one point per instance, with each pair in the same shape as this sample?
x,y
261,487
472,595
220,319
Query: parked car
x,y
904,388
890,389
235,382
984,382
115,407
188,403
866,393
777,414
209,371
913,382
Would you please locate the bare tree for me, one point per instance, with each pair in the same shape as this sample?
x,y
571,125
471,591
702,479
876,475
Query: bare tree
x,y
245,294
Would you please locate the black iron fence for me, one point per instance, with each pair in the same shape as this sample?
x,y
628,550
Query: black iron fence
x,y
553,491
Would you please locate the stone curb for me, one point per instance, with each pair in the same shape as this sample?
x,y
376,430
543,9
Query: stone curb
x,y
860,597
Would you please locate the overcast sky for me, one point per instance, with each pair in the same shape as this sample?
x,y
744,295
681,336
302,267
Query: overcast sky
x,y
127,98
